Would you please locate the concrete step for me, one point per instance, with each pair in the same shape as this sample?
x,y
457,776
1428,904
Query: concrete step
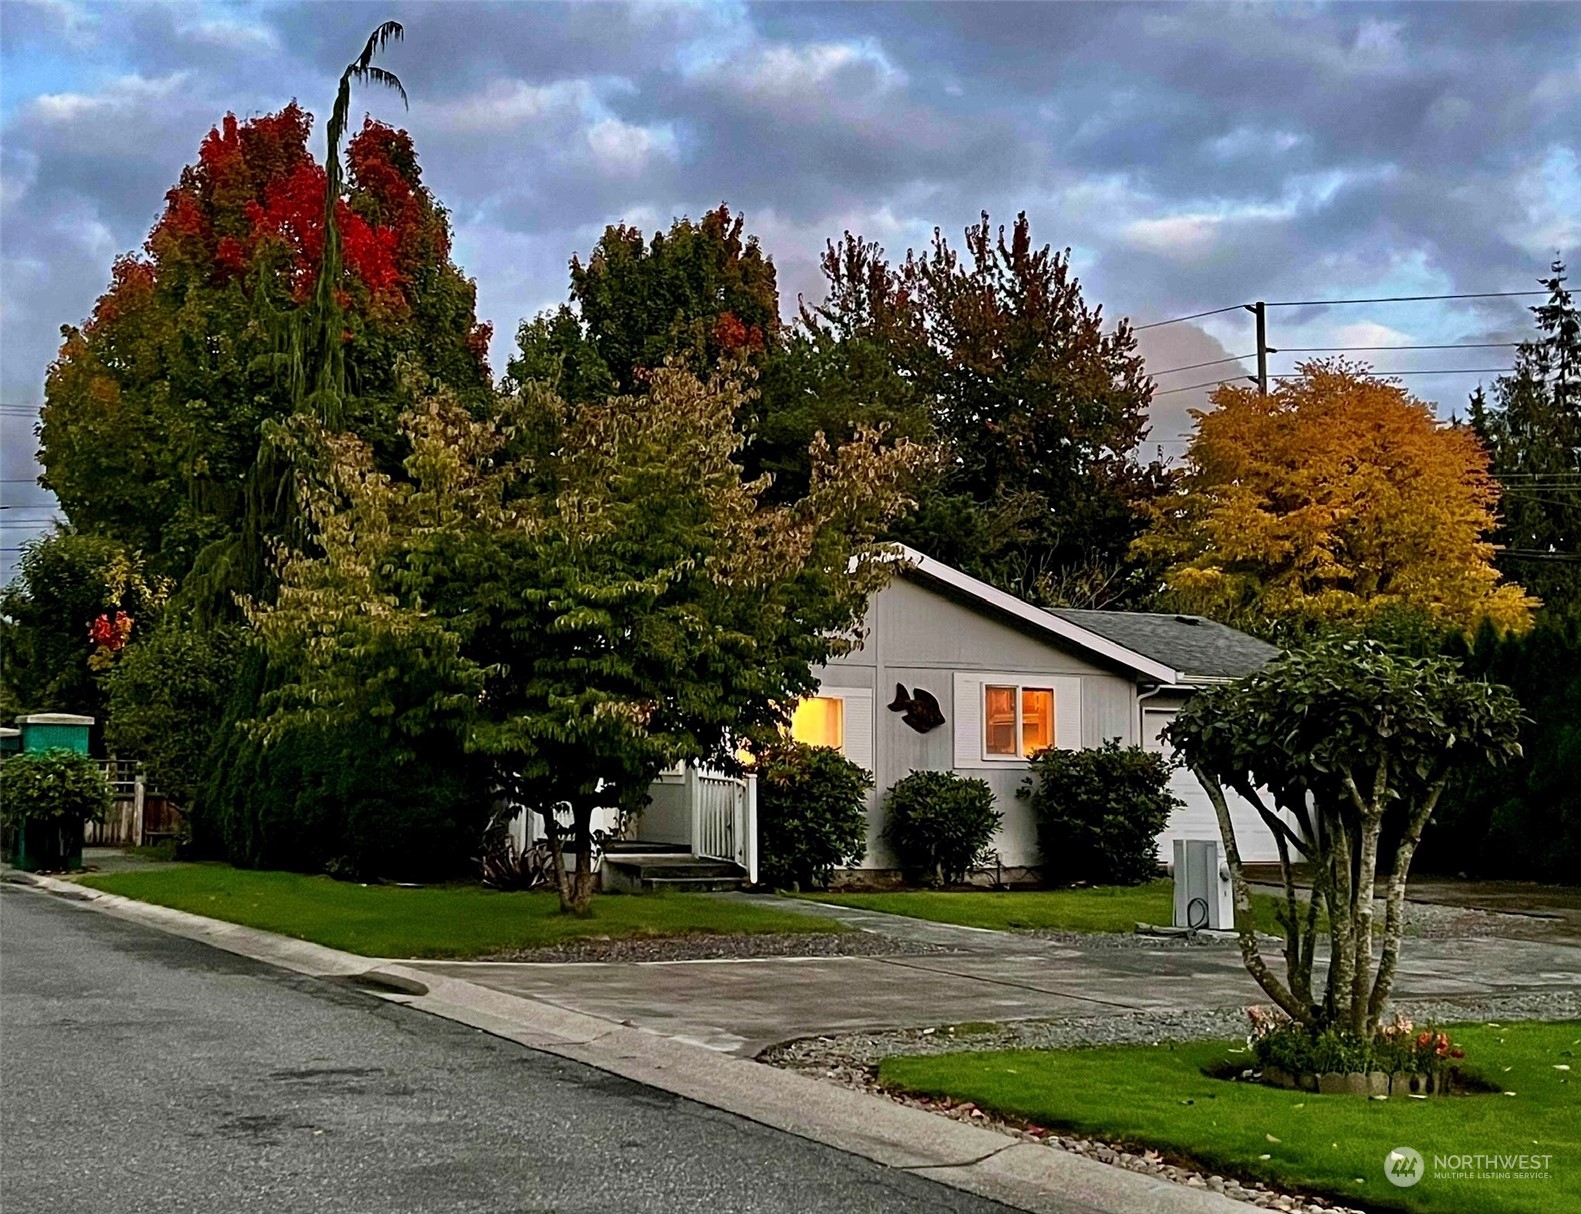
x,y
693,885
674,872
640,847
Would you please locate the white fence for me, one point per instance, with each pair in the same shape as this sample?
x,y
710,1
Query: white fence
x,y
724,818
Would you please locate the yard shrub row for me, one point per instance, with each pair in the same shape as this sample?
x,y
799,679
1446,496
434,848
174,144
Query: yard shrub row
x,y
1098,815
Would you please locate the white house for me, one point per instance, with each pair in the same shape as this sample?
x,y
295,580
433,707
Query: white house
x,y
955,675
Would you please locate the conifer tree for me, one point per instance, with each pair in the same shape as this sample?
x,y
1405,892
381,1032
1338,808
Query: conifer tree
x,y
1532,429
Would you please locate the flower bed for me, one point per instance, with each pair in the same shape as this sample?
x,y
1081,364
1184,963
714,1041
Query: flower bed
x,y
1399,1059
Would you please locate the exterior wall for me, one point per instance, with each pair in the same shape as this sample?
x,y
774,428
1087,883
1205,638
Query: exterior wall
x,y
1197,819
668,817
922,638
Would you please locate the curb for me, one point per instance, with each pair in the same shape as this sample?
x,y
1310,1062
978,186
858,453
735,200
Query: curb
x,y
975,1159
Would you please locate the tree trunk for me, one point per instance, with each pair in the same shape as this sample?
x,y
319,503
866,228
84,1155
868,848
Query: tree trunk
x,y
1394,919
580,885
562,880
1246,931
1369,811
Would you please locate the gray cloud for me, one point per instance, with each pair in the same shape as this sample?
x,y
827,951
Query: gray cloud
x,y
1193,155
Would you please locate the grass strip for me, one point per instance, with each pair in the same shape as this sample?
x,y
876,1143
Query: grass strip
x,y
454,921
1161,1097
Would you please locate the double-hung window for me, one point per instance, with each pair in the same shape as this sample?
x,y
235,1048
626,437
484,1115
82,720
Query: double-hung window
x,y
1018,721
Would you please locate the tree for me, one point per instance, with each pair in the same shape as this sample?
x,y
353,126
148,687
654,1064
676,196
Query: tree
x,y
1522,820
155,407
835,372
166,697
586,593
1339,747
1532,430
74,604
1337,498
1039,409
702,292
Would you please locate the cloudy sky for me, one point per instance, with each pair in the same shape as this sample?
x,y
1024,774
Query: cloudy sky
x,y
1194,156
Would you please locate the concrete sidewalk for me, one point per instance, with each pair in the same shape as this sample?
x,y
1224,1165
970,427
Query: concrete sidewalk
x,y
1021,1174
742,1006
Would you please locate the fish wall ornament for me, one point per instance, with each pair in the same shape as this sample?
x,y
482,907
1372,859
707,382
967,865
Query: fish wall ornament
x,y
921,708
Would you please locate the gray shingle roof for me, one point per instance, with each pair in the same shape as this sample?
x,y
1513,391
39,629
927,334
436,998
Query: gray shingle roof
x,y
1196,647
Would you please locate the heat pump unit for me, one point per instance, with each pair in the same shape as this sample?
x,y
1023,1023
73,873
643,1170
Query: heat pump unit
x,y
1204,898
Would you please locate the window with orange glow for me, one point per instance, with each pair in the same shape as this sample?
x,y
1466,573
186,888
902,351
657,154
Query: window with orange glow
x,y
1037,720
820,721
1017,721
999,718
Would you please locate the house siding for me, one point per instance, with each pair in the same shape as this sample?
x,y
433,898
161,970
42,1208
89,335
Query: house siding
x,y
921,637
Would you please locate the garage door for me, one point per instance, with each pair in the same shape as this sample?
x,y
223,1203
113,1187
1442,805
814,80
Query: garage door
x,y
1196,819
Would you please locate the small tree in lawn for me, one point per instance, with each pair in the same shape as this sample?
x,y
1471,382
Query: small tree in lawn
x,y
588,592
1340,747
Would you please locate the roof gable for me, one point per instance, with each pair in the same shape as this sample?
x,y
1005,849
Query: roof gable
x,y
1162,648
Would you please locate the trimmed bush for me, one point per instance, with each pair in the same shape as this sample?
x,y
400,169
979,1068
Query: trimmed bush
x,y
54,788
1099,813
940,823
45,798
812,815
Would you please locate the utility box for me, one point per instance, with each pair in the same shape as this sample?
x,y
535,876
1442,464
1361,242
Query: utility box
x,y
10,741
55,731
1204,897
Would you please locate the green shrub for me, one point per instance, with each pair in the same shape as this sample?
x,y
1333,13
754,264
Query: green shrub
x,y
940,824
1099,813
812,815
362,802
58,788
167,694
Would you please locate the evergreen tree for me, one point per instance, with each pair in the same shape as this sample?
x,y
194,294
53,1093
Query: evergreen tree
x,y
1532,429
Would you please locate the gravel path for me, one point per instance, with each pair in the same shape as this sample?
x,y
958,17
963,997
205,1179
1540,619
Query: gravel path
x,y
702,946
852,1060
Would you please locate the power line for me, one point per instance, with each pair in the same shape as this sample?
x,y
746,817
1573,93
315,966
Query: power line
x,y
1157,324
1422,371
1454,345
1536,554
1321,303
1212,383
1235,379
1198,366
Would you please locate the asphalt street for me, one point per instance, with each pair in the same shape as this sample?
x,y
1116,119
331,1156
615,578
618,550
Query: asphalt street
x,y
145,1072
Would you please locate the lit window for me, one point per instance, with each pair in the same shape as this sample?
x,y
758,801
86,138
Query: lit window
x,y
1017,721
1037,720
1000,715
820,721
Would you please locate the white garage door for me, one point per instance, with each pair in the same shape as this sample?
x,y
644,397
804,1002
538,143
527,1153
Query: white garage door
x,y
1196,819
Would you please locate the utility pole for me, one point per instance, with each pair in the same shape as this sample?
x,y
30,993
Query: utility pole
x,y
1260,310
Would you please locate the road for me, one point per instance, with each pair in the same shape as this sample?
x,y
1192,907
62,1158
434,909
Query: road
x,y
144,1072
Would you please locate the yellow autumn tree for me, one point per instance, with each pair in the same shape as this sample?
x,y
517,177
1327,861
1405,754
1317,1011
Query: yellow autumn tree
x,y
1336,497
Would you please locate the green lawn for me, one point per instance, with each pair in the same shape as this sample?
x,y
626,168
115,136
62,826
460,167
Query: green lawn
x,y
1099,908
435,921
1159,1096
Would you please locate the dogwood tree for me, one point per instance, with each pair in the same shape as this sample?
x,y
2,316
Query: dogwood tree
x,y
588,592
1340,747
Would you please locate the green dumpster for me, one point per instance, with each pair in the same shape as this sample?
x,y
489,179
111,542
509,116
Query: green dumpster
x,y
55,731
